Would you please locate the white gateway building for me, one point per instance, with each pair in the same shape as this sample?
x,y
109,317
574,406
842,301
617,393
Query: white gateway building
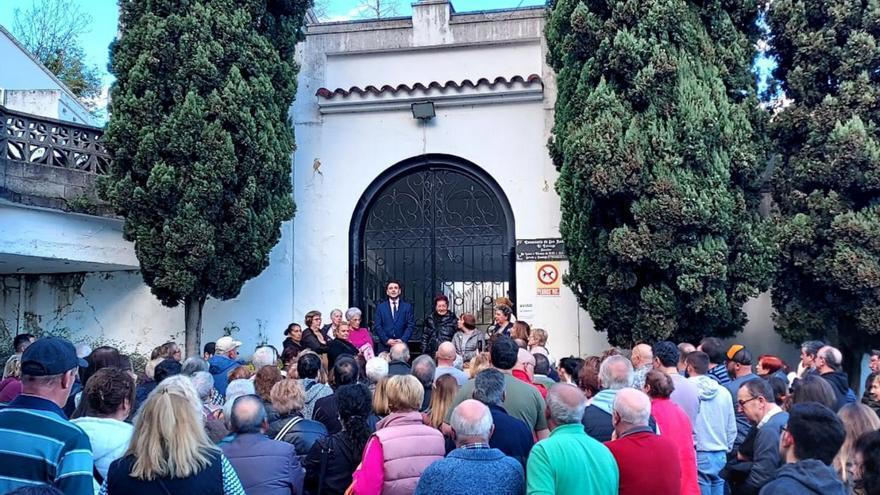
x,y
421,156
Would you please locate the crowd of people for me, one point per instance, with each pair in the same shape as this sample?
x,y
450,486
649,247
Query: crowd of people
x,y
345,409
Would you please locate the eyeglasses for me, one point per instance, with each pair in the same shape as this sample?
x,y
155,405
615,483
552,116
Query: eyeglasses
x,y
742,403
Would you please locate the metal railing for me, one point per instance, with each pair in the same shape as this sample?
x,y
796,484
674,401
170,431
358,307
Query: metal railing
x,y
43,141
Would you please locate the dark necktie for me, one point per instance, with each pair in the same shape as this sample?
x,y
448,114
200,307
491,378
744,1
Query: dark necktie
x,y
394,310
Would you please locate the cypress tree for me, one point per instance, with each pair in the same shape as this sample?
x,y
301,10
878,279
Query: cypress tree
x,y
827,182
657,142
201,142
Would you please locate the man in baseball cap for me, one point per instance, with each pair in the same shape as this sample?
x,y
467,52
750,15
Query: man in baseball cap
x,y
223,361
739,366
35,432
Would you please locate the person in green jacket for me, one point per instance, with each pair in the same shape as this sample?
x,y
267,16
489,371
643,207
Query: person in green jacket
x,y
570,461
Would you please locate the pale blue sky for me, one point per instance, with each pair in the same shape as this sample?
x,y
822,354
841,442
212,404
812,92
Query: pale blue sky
x,y
104,16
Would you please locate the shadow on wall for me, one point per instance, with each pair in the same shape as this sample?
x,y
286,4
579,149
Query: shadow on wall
x,y
760,338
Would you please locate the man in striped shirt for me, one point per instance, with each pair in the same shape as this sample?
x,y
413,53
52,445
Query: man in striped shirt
x,y
38,445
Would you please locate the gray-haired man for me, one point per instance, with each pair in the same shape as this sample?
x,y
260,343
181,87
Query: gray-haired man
x,y
474,463
265,467
511,436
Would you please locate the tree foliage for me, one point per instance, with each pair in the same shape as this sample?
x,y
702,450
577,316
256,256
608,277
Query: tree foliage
x,y
827,182
658,143
51,31
201,141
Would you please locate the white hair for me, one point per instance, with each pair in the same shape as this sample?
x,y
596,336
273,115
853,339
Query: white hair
x,y
615,382
560,411
264,356
468,427
203,383
832,356
352,313
336,311
400,352
234,390
376,369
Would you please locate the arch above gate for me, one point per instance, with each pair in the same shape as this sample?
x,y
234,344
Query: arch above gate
x,y
439,224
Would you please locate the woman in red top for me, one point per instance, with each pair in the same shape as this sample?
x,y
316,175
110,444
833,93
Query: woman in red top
x,y
675,425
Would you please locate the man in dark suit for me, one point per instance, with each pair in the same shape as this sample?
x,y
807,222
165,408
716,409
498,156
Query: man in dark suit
x,y
395,319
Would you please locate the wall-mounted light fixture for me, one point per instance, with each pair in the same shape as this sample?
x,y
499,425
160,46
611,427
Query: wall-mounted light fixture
x,y
423,110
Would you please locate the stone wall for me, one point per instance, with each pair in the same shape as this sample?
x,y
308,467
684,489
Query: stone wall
x,y
50,187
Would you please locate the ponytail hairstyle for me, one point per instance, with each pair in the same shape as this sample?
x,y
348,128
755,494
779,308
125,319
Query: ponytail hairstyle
x,y
354,404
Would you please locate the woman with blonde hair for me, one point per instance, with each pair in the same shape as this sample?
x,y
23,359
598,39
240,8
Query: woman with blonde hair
x,y
170,451
288,399
445,388
857,419
10,387
479,363
402,447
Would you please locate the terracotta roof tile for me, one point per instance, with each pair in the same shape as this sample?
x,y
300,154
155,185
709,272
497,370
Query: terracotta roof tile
x,y
329,94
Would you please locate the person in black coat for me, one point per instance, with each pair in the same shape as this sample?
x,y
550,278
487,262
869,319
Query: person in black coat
x,y
332,460
440,326
288,399
293,337
340,345
313,338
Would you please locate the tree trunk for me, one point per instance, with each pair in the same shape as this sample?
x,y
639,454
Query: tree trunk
x,y
193,315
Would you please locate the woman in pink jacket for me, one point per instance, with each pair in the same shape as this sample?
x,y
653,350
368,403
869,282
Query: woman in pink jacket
x,y
402,447
675,425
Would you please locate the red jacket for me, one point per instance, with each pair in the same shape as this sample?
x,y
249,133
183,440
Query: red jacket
x,y
675,425
523,376
645,459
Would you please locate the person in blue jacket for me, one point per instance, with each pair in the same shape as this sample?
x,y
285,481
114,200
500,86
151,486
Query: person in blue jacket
x,y
395,319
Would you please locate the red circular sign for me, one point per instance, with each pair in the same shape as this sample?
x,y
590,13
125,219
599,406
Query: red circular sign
x,y
547,274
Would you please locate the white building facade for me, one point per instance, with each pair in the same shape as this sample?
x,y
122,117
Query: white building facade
x,y
440,204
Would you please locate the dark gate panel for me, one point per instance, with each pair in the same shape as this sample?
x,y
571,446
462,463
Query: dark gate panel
x,y
438,228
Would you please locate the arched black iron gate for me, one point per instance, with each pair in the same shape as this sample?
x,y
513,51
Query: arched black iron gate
x,y
440,225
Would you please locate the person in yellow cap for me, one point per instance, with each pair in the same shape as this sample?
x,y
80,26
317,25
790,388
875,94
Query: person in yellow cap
x,y
739,366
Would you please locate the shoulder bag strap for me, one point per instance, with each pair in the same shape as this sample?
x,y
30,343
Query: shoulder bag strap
x,y
97,475
325,454
164,488
290,424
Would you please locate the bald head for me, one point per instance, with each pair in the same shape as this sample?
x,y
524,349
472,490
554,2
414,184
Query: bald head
x,y
248,415
642,355
525,361
471,422
565,404
631,408
400,352
446,354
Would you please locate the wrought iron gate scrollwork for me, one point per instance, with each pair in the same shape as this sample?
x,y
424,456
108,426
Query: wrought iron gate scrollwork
x,y
438,224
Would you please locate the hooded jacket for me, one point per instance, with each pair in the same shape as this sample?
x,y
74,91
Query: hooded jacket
x,y
840,384
715,427
109,438
314,391
597,416
220,366
807,477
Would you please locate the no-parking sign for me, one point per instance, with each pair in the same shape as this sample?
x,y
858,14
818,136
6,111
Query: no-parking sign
x,y
548,278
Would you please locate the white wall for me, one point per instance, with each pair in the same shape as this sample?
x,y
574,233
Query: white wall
x,y
117,306
81,241
425,66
